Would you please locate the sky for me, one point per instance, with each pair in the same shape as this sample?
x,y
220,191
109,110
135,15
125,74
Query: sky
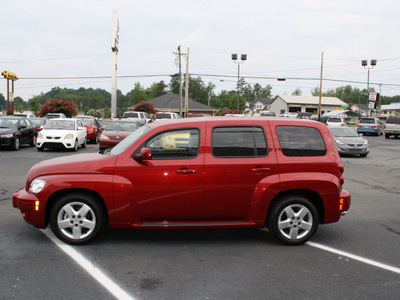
x,y
46,42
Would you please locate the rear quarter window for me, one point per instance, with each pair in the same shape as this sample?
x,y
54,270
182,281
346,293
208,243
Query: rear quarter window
x,y
239,141
300,141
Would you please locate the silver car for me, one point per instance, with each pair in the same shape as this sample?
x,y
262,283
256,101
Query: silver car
x,y
348,142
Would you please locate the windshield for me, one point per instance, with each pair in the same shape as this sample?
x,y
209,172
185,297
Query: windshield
x,y
163,116
131,115
129,140
87,122
121,126
334,120
61,124
343,132
7,123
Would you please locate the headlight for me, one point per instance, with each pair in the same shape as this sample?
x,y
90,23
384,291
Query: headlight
x,y
40,136
104,137
69,136
37,185
365,142
10,135
339,142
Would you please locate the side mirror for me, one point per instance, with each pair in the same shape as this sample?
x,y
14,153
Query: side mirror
x,y
145,154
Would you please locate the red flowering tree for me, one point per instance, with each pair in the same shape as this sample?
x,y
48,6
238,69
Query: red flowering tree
x,y
228,111
145,106
66,107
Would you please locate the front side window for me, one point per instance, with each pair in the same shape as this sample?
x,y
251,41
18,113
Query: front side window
x,y
300,141
239,141
173,144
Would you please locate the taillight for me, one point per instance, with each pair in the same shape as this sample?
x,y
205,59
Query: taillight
x,y
359,125
374,126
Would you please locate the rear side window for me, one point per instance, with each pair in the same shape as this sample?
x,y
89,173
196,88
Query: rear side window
x,y
239,141
393,120
300,141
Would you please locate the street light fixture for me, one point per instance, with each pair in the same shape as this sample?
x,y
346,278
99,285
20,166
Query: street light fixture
x,y
243,57
364,63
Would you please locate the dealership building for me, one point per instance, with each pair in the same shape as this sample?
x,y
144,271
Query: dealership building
x,y
287,103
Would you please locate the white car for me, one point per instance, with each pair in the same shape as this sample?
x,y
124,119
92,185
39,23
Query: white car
x,y
62,133
336,121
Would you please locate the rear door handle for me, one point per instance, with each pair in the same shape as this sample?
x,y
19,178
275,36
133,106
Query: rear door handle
x,y
260,170
186,171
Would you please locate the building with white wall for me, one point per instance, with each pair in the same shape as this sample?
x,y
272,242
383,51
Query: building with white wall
x,y
287,103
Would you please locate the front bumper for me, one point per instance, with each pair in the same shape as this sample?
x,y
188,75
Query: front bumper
x,y
32,210
6,142
55,143
352,150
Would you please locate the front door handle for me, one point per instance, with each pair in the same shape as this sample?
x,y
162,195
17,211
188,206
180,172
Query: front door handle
x,y
186,171
260,170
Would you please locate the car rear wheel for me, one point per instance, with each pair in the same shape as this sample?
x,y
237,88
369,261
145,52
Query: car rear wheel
x,y
293,220
76,218
84,143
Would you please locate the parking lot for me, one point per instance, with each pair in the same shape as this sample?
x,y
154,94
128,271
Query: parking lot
x,y
356,258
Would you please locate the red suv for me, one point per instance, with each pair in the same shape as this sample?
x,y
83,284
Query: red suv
x,y
280,173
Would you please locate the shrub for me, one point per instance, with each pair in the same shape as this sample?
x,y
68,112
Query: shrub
x,y
145,106
67,107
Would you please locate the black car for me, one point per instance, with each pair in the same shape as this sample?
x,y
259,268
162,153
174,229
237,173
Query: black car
x,y
39,123
15,131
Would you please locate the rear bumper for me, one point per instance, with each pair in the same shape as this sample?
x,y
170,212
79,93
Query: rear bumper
x,y
344,201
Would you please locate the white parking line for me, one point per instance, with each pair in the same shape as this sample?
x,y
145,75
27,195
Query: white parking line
x,y
355,257
91,268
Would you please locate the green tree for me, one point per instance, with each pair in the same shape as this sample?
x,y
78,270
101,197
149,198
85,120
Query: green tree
x,y
297,92
157,89
34,104
137,95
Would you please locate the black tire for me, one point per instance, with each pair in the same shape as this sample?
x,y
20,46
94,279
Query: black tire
x,y
363,155
293,220
40,149
33,143
75,146
387,135
15,144
84,143
77,218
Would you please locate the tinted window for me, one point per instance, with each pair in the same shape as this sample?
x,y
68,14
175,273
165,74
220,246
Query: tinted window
x,y
334,120
393,120
174,144
300,141
367,120
244,141
163,116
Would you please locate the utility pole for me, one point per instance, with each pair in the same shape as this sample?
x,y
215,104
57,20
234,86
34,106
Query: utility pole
x,y
114,49
187,85
179,53
320,87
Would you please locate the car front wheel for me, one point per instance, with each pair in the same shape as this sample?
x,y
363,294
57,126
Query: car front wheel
x,y
293,220
15,144
76,218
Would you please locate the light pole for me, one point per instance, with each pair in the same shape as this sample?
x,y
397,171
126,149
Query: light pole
x,y
243,57
364,63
